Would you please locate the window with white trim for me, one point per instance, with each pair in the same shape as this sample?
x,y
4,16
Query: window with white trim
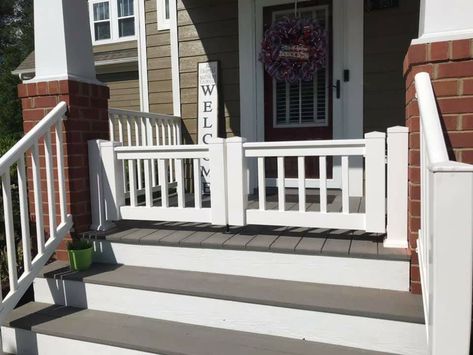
x,y
164,14
112,20
304,103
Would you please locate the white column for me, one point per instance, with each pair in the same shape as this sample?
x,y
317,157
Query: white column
x,y
63,46
398,151
218,181
441,20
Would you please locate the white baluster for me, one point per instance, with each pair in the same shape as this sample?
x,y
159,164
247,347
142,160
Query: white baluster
x,y
163,179
323,183
197,184
50,185
138,142
60,171
24,216
261,184
38,199
301,182
281,184
132,180
9,231
345,186
180,183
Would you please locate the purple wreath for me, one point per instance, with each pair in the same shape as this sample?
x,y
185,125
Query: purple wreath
x,y
294,49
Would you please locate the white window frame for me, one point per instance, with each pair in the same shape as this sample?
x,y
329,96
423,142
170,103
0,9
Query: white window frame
x,y
163,22
114,30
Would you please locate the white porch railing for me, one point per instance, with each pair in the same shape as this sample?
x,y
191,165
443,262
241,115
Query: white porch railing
x,y
445,245
31,146
372,148
133,128
228,202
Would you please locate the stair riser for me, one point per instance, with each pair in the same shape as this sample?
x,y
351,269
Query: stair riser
x,y
357,272
358,332
19,341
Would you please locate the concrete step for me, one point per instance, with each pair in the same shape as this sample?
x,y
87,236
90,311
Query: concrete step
x,y
307,255
371,319
40,328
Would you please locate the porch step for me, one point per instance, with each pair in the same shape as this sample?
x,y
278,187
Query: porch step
x,y
334,257
67,330
370,319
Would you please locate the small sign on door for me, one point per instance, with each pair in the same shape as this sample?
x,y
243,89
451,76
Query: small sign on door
x,y
207,119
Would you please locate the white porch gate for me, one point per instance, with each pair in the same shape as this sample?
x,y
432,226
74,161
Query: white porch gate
x,y
228,200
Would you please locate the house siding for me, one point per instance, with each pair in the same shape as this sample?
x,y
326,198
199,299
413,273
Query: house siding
x,y
387,36
159,62
208,31
124,90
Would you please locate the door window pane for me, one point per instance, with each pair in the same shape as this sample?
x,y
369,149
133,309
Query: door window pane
x,y
303,102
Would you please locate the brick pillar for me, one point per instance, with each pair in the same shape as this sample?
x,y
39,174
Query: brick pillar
x,y
450,65
87,119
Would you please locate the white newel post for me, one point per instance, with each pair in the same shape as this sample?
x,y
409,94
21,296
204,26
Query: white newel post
x,y
237,182
375,175
218,181
106,184
398,151
451,258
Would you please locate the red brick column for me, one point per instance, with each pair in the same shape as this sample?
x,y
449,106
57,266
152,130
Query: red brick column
x,y
450,65
87,119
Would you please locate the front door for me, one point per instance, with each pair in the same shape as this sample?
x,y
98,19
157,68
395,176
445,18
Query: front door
x,y
301,110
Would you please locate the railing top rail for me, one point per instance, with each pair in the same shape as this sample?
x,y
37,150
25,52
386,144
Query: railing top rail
x,y
30,138
163,148
131,113
349,143
430,120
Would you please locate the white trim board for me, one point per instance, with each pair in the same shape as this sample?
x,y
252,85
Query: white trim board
x,y
174,38
372,273
20,341
338,329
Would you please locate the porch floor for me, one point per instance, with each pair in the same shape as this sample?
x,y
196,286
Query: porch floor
x,y
313,241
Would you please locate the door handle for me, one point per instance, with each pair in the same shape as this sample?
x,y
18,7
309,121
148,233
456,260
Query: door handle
x,y
338,88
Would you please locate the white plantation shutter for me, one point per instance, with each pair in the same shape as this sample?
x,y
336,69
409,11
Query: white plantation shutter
x,y
304,103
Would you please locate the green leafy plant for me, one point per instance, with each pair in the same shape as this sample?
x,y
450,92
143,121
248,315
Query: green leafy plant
x,y
78,244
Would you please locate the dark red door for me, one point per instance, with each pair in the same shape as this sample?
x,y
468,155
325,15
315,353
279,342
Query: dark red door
x,y
302,110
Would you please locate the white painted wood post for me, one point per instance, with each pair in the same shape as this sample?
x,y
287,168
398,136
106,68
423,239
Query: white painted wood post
x,y
451,261
237,182
218,181
375,175
106,184
398,150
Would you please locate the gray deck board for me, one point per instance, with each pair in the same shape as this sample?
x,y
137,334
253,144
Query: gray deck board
x,y
217,240
285,244
254,237
159,336
196,238
373,303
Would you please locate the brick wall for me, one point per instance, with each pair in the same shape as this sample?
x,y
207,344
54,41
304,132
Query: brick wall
x,y
87,119
450,65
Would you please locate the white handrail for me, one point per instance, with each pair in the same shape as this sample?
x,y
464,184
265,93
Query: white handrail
x,y
29,145
25,143
429,116
445,245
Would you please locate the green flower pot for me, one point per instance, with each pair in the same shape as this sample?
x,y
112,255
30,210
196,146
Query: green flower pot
x,y
81,259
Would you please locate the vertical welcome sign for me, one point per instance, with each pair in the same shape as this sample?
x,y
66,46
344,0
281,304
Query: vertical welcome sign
x,y
207,113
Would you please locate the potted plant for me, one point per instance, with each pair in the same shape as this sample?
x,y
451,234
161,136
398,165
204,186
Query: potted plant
x,y
80,254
